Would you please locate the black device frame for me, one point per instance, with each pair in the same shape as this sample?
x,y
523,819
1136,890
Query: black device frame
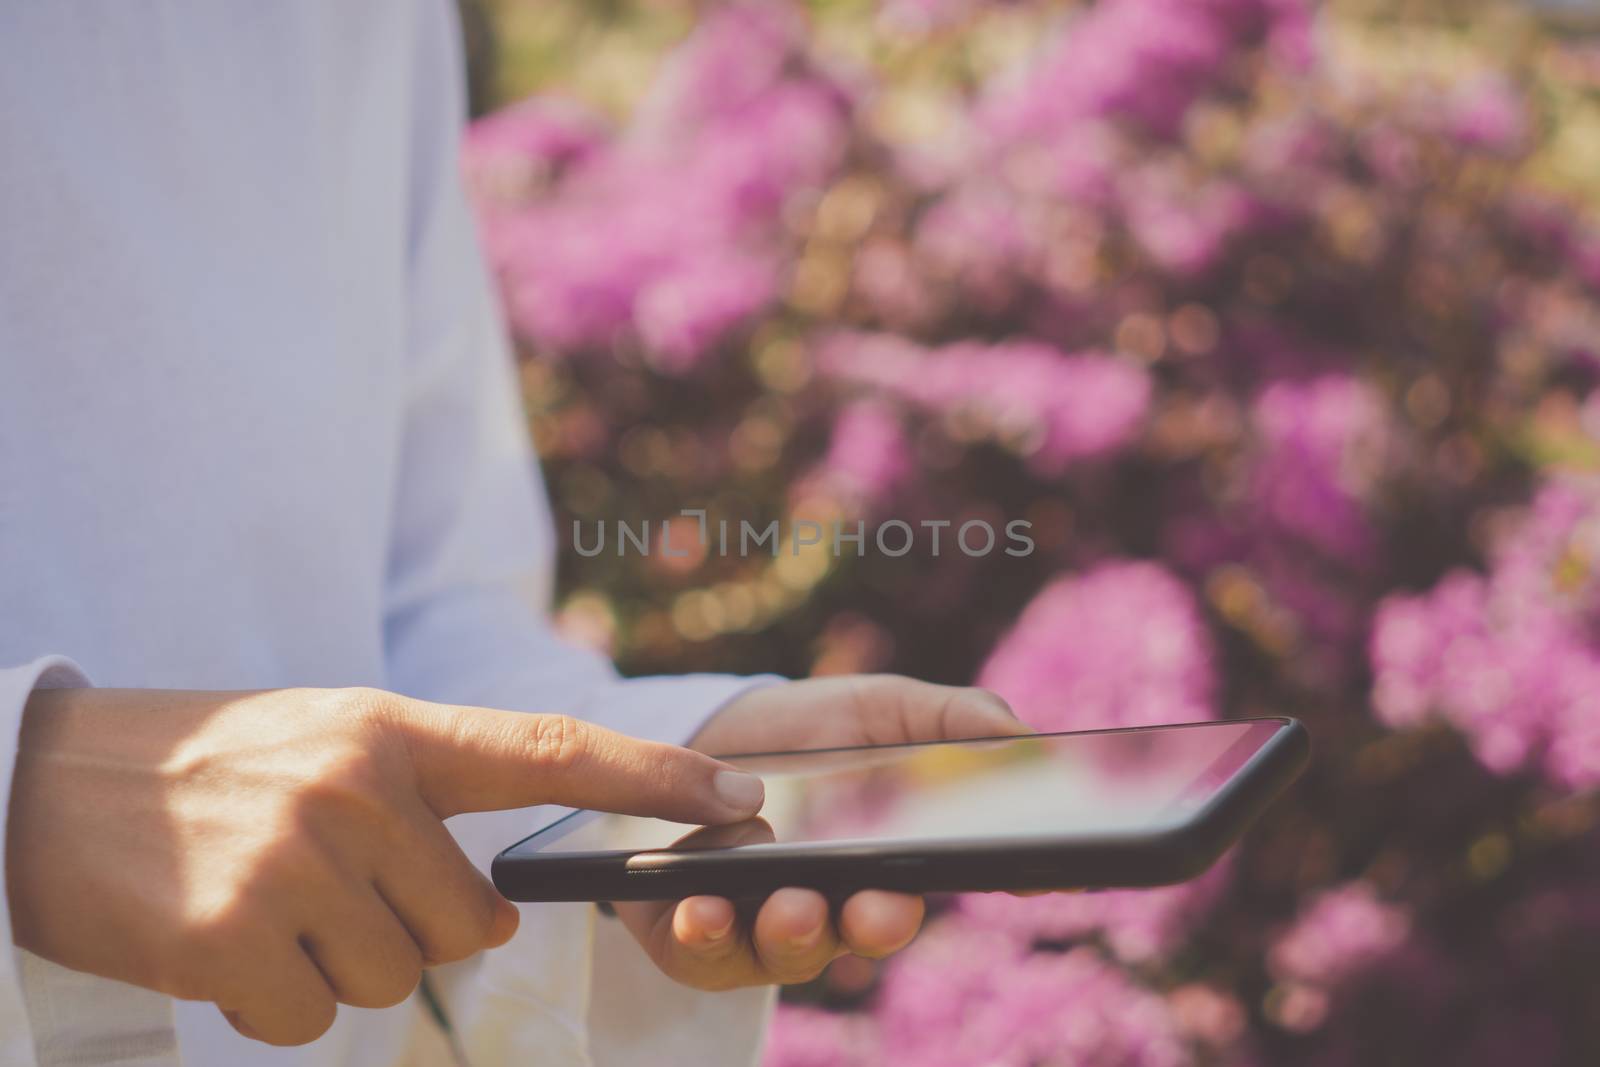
x,y
970,864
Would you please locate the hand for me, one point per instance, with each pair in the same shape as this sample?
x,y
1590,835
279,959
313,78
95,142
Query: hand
x,y
703,941
280,851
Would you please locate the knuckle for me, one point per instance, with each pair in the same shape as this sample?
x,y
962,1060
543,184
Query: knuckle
x,y
391,985
343,785
477,920
878,687
400,986
404,976
458,942
363,703
988,696
289,862
886,695
559,742
465,934
451,947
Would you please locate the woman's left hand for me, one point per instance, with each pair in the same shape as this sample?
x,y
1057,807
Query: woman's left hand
x,y
703,941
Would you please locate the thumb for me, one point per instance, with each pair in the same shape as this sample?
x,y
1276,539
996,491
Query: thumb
x,y
906,709
479,759
975,712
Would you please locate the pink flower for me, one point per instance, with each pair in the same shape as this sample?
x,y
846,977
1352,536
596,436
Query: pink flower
x,y
1143,61
1509,658
737,53
670,233
1121,645
1138,925
505,155
976,238
1057,408
868,455
1184,229
1338,933
1489,114
1324,444
961,996
889,281
680,315
808,1037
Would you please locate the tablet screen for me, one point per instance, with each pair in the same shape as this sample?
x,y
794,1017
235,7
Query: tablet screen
x,y
1038,786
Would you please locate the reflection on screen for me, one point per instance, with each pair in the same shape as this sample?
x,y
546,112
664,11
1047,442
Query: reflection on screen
x,y
1046,786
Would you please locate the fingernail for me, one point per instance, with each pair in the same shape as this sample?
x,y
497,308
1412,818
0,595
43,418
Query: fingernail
x,y
720,932
740,791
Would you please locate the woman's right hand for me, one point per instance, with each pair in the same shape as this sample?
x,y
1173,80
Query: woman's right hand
x,y
279,852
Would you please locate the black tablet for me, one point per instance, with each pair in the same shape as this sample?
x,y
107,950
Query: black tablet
x,y
1103,808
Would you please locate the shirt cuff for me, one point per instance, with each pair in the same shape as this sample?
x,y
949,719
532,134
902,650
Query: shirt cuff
x,y
16,685
48,1014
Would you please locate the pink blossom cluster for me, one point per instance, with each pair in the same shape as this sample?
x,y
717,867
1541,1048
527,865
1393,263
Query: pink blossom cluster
x,y
1488,113
1141,61
1341,934
515,153
1069,133
1185,227
1324,446
964,994
1303,514
1054,407
1230,323
1511,657
1337,933
1122,644
667,233
1136,925
811,1037
869,455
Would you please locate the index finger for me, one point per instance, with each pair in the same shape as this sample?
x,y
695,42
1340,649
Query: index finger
x,y
479,759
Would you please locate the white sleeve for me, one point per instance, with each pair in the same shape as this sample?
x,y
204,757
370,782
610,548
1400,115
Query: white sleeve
x,y
468,575
50,1016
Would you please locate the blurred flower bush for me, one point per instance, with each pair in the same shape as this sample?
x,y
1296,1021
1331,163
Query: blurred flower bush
x,y
1278,325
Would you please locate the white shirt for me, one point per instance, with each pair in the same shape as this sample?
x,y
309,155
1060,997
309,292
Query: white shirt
x,y
258,428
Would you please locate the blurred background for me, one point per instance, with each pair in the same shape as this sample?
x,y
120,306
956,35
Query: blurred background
x,y
1278,321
